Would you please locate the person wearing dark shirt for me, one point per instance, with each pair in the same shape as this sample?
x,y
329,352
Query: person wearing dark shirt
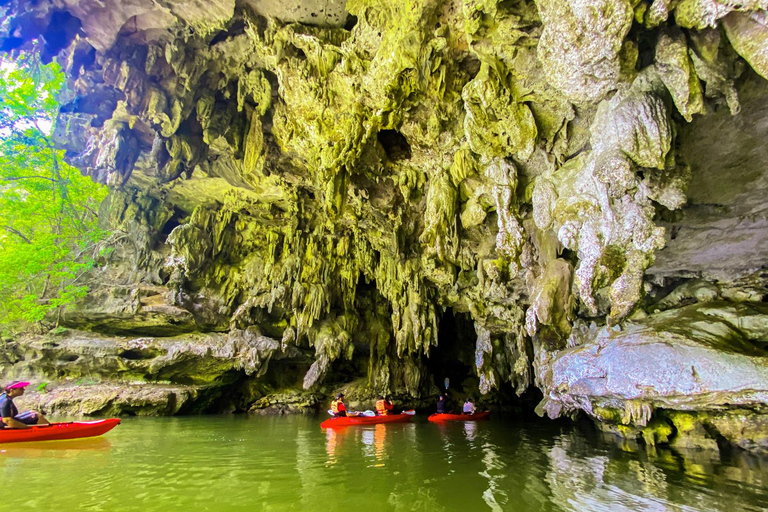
x,y
10,414
442,404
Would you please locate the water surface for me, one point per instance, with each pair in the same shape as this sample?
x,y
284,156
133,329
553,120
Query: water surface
x,y
239,463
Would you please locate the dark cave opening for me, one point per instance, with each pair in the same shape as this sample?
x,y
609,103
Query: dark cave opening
x,y
470,65
236,28
454,357
61,30
350,23
661,288
454,354
523,406
139,354
395,145
84,57
237,392
170,225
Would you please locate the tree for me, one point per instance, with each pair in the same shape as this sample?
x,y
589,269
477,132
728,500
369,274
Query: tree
x,y
48,210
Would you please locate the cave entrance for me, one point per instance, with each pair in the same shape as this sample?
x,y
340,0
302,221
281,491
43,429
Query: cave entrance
x,y
175,221
395,145
453,357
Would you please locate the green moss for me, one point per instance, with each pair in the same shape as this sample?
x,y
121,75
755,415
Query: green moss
x,y
678,74
658,431
607,414
627,431
614,260
464,165
496,124
685,423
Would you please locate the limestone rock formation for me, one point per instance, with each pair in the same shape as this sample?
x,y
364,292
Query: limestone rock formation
x,y
697,358
525,196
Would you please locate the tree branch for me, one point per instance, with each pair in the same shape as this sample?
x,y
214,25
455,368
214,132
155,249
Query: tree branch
x,y
29,177
17,233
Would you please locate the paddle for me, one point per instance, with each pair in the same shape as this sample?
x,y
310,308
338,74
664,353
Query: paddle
x,y
409,412
352,414
446,382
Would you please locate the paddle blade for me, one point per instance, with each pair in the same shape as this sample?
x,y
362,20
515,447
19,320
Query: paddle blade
x,y
446,382
330,412
369,414
409,412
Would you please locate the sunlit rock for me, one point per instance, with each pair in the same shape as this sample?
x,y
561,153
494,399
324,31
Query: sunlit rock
x,y
580,47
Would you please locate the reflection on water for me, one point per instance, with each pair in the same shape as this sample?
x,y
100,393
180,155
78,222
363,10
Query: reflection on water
x,y
331,444
651,480
470,429
289,463
73,448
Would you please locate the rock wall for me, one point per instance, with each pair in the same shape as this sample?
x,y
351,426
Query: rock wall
x,y
583,180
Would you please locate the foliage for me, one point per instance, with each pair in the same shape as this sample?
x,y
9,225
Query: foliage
x,y
48,210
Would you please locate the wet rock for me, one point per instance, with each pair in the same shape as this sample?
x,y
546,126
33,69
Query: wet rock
x,y
581,44
706,13
698,358
193,359
287,403
748,33
114,400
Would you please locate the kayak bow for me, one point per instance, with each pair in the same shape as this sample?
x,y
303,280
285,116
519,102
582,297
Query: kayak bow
x,y
365,420
54,431
478,416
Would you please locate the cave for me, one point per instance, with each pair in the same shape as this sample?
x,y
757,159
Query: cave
x,y
453,357
395,145
139,354
558,210
350,23
171,224
63,27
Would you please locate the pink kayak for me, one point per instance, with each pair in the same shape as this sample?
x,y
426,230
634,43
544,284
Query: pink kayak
x,y
478,416
365,420
71,430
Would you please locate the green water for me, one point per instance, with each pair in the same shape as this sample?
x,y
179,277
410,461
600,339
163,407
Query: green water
x,y
289,463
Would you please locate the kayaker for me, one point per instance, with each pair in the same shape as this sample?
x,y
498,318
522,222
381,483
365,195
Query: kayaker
x,y
337,407
442,404
469,406
383,406
10,414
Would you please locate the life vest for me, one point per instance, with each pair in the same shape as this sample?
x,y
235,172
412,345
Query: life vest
x,y
382,407
336,406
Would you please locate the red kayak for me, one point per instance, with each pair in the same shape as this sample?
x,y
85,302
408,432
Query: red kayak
x,y
478,416
365,420
71,430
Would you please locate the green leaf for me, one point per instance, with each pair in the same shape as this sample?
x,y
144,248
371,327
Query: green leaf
x,y
48,226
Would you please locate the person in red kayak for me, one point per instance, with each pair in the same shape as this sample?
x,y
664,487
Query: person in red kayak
x,y
10,414
337,407
442,403
469,406
383,406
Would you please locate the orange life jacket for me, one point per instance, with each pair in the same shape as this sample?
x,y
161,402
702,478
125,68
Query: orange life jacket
x,y
336,406
383,407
